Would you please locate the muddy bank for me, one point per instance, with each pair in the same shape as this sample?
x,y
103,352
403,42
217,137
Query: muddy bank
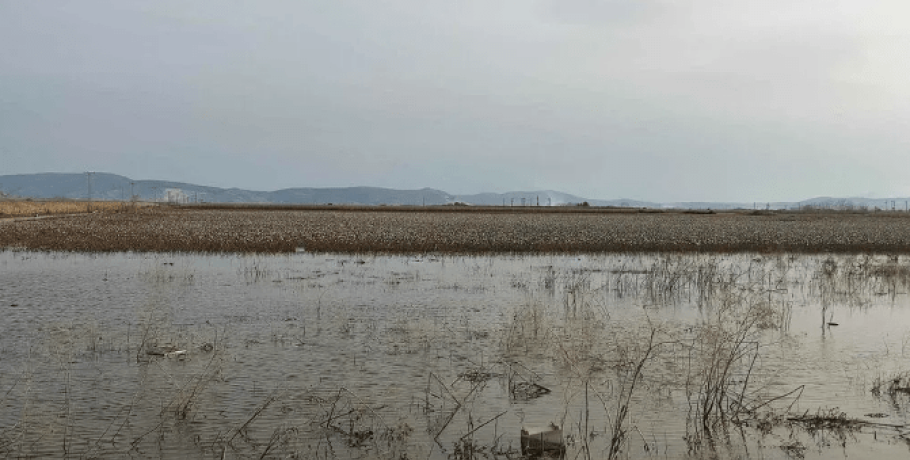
x,y
469,232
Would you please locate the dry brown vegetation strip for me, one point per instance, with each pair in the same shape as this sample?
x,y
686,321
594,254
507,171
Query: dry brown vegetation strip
x,y
22,208
474,231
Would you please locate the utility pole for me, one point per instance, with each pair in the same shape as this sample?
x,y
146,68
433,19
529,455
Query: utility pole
x,y
88,180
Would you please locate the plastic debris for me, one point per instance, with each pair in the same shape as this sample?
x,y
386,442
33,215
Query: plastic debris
x,y
542,440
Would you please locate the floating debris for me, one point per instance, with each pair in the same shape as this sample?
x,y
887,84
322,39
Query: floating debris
x,y
477,375
833,420
794,449
162,350
528,390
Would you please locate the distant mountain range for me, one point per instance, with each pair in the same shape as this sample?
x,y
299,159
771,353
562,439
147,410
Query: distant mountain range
x,y
105,186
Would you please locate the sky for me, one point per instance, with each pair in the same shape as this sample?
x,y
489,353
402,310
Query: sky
x,y
699,100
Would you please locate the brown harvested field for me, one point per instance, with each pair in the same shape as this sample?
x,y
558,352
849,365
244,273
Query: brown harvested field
x,y
23,208
451,230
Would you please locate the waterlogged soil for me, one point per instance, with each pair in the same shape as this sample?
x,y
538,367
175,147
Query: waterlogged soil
x,y
340,356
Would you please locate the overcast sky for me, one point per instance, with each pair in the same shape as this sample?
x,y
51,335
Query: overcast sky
x,y
720,100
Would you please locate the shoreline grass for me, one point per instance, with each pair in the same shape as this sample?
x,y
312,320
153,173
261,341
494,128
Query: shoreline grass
x,y
32,208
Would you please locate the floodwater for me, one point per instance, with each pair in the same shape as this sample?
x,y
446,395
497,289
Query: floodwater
x,y
338,356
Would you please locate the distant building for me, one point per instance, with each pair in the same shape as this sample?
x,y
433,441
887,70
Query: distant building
x,y
175,195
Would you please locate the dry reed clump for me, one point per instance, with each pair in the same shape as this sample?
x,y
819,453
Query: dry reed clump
x,y
854,280
475,232
893,386
828,421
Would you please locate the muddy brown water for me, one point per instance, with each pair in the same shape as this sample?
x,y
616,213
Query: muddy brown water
x,y
339,356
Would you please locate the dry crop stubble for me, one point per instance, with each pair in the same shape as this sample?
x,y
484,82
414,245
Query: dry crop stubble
x,y
467,232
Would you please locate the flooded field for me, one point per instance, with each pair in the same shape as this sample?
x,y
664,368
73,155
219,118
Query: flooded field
x,y
643,355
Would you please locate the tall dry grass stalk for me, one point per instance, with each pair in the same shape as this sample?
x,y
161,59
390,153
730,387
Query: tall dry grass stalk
x,y
721,358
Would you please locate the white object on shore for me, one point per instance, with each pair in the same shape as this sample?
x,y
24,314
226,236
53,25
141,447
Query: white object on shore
x,y
538,440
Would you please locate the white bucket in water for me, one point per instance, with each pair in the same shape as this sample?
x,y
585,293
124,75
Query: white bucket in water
x,y
540,440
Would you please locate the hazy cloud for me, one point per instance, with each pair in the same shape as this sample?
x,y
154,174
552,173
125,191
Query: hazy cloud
x,y
656,100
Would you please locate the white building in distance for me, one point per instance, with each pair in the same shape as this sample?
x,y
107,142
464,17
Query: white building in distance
x,y
175,195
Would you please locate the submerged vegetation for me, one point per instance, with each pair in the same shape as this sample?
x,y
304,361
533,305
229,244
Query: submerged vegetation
x,y
459,230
